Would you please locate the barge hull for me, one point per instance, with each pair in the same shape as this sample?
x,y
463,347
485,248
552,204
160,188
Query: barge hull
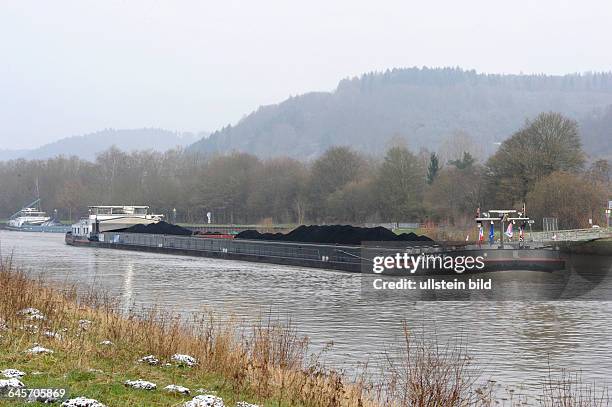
x,y
287,261
41,229
321,256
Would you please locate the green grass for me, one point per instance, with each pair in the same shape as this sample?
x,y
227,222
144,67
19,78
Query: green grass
x,y
101,376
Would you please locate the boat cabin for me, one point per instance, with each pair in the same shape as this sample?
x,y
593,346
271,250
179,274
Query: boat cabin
x,y
108,218
118,210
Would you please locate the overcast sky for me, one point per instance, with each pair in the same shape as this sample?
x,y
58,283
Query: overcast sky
x,y
72,67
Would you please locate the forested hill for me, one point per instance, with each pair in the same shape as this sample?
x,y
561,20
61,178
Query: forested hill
x,y
89,145
423,106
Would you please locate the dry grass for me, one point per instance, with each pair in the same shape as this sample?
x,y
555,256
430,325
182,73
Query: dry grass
x,y
569,390
424,373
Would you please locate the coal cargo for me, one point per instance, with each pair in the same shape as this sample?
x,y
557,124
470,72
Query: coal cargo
x,y
334,234
159,228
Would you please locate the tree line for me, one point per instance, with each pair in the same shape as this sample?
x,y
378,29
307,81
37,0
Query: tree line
x,y
542,164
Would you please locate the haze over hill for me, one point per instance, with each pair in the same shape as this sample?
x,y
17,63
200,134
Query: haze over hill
x,y
424,106
89,145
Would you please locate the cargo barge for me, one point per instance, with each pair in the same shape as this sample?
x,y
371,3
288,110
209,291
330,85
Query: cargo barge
x,y
96,232
323,256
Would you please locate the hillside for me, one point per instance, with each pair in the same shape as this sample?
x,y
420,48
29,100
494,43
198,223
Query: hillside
x,y
424,106
597,132
87,146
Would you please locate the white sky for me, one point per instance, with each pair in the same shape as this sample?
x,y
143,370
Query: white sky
x,y
72,67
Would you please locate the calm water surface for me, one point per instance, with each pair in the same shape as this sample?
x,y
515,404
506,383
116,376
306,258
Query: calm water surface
x,y
513,342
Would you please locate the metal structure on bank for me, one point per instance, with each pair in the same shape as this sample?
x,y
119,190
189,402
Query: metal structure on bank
x,y
509,216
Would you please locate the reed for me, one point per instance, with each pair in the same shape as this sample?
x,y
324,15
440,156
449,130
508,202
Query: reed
x,y
568,389
426,372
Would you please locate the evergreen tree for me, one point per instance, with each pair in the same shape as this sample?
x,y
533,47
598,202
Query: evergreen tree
x,y
433,168
465,162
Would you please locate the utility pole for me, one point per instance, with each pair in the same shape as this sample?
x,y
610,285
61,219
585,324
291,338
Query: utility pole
x,y
501,233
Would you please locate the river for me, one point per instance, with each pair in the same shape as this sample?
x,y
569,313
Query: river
x,y
513,343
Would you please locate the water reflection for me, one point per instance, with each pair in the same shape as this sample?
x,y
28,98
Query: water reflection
x,y
127,295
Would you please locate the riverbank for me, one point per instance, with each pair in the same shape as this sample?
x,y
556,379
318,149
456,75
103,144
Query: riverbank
x,y
96,348
89,347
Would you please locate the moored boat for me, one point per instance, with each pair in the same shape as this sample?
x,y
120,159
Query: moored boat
x,y
31,218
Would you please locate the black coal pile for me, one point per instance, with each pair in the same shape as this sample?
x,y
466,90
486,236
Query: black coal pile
x,y
334,234
159,228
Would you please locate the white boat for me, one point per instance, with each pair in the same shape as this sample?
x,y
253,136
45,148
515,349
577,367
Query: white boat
x,y
112,218
30,215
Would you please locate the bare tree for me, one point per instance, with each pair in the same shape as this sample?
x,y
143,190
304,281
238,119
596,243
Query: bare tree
x,y
549,143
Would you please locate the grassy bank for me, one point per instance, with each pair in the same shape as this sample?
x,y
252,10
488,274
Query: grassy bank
x,y
96,348
265,364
